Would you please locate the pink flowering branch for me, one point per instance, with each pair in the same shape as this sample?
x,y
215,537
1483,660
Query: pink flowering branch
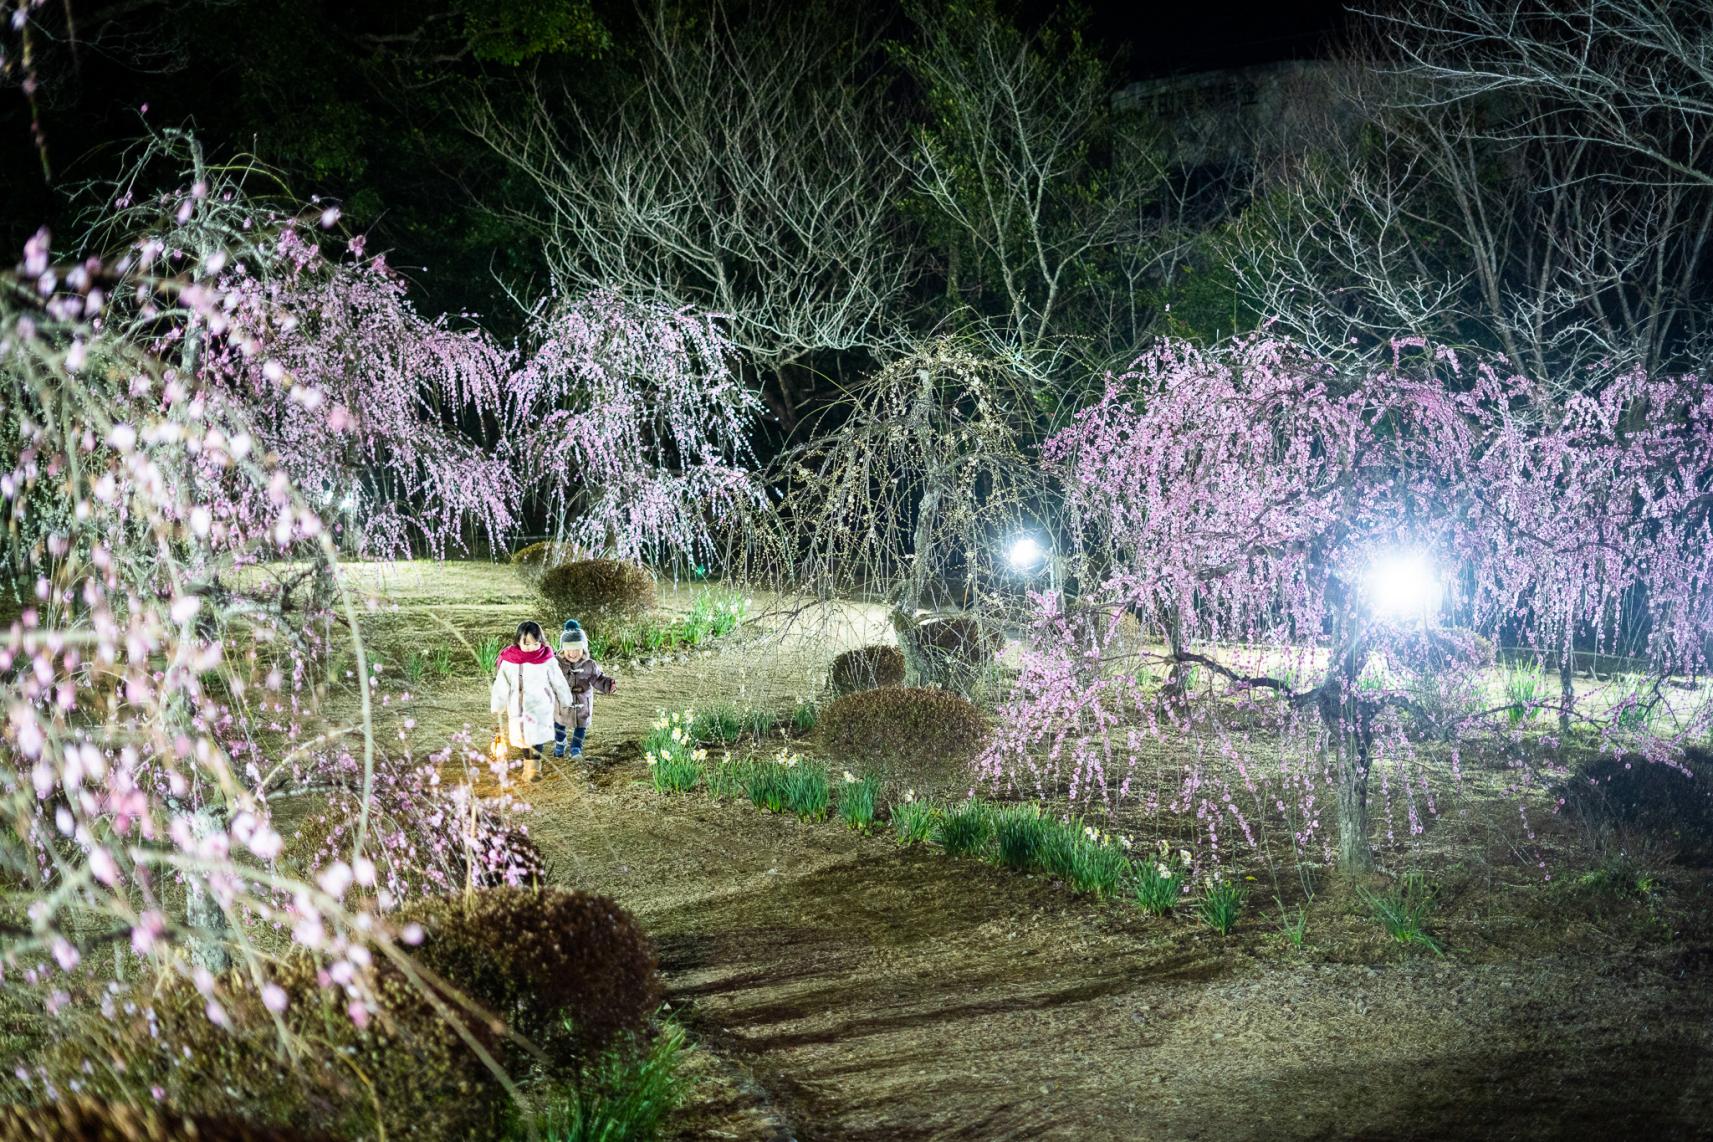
x,y
178,595
1239,500
630,428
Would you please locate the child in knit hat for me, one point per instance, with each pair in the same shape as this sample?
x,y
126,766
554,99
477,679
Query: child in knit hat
x,y
585,677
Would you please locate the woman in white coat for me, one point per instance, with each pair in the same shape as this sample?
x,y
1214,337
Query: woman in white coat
x,y
529,689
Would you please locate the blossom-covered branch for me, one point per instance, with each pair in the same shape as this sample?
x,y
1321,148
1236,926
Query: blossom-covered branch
x,y
1245,500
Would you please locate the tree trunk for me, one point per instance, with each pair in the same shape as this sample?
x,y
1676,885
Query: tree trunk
x,y
203,915
1349,725
1355,855
919,667
1566,689
1176,677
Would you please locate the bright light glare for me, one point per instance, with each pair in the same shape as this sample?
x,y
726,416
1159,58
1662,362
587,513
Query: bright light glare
x,y
1025,553
1402,585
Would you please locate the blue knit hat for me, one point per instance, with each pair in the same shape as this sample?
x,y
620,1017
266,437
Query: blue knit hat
x,y
572,635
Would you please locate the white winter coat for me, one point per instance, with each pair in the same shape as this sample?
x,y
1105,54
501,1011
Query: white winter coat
x,y
529,693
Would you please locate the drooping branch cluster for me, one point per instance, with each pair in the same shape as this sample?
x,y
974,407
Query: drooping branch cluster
x,y
164,673
917,481
630,427
1244,501
361,399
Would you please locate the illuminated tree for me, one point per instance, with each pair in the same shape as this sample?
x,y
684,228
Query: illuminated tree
x,y
361,398
168,430
914,487
632,428
1330,549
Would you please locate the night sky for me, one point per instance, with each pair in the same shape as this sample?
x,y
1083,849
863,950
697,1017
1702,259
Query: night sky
x,y
1167,38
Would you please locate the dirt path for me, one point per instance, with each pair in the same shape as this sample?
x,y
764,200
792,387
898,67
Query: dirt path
x,y
852,989
883,993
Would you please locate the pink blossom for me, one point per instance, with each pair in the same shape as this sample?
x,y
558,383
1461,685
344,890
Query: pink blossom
x,y
150,926
335,879
1235,498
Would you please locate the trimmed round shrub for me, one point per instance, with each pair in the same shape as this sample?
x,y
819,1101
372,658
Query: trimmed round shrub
x,y
81,1119
599,590
407,1067
518,861
535,555
958,636
951,651
533,561
921,738
570,971
867,668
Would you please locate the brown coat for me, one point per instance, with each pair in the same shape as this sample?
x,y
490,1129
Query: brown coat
x,y
585,678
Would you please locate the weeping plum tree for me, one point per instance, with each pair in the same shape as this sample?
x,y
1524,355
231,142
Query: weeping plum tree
x,y
359,396
355,395
1260,512
928,468
186,406
159,685
632,427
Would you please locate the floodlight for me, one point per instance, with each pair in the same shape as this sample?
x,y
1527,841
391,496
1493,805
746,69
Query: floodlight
x,y
1402,585
1025,553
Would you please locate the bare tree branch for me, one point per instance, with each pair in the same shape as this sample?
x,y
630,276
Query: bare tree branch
x,y
741,177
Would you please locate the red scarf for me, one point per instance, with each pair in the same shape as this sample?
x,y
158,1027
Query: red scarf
x,y
521,656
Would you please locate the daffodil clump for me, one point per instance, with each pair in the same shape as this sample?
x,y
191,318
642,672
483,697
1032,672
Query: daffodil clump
x,y
1161,879
1097,863
1083,856
766,783
856,801
805,714
914,821
1021,835
1221,901
674,760
807,791
728,778
966,828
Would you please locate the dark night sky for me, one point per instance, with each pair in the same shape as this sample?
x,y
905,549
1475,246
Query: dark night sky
x,y
1188,36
